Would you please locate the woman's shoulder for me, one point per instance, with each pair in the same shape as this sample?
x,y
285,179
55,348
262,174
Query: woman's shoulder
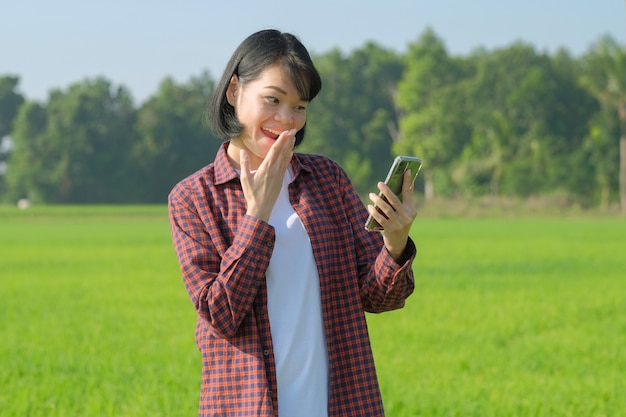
x,y
219,171
197,181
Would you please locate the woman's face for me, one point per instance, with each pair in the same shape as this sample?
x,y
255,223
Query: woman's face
x,y
266,107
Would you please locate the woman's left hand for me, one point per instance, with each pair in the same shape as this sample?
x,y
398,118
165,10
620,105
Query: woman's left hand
x,y
398,215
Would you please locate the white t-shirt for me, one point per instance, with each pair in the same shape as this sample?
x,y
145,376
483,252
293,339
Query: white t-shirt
x,y
295,314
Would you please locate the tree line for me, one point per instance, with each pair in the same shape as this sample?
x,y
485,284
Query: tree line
x,y
512,121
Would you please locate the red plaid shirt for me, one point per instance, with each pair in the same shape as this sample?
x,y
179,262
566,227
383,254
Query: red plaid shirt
x,y
223,256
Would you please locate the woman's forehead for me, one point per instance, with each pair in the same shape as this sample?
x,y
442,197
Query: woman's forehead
x,y
282,77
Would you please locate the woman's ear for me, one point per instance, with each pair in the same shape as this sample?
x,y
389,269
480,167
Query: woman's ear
x,y
232,90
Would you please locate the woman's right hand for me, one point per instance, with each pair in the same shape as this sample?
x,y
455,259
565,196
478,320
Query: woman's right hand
x,y
261,189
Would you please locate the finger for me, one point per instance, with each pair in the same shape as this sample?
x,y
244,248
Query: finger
x,y
389,196
282,148
407,188
289,135
377,214
244,163
285,142
280,153
382,205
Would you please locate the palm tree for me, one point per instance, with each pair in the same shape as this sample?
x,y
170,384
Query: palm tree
x,y
605,77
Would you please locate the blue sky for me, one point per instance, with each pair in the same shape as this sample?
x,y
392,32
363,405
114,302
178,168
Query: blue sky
x,y
51,44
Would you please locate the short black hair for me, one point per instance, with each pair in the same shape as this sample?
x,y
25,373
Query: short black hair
x,y
256,53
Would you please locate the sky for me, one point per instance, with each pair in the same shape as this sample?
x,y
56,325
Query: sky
x,y
137,43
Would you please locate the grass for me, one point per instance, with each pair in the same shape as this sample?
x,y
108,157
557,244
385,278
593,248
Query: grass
x,y
510,317
95,320
522,317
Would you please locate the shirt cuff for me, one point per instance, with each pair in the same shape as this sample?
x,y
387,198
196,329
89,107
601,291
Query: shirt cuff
x,y
254,233
408,254
386,261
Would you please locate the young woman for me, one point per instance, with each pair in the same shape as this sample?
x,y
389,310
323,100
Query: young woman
x,y
274,255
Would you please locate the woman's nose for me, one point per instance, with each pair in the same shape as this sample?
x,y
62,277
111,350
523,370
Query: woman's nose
x,y
284,115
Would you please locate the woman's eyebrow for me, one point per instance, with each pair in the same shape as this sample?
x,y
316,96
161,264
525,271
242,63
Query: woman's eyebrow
x,y
280,90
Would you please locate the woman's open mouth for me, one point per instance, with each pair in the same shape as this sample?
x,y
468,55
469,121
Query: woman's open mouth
x,y
273,134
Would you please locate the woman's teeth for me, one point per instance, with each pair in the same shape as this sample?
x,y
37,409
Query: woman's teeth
x,y
272,133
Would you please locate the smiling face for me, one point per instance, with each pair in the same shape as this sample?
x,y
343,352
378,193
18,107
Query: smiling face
x,y
266,107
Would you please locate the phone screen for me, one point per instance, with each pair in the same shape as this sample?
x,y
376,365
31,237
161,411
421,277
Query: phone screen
x,y
400,165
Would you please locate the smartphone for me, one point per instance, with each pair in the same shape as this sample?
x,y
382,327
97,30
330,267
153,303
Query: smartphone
x,y
400,165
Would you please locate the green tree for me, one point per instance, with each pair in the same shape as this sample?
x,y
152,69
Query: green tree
x,y
173,140
77,150
605,76
432,123
599,148
354,120
483,159
528,119
32,171
10,102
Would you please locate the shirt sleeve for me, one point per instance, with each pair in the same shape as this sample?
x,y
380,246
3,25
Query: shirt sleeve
x,y
222,287
384,284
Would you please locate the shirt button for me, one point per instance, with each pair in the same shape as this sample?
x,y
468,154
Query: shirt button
x,y
261,312
269,243
266,352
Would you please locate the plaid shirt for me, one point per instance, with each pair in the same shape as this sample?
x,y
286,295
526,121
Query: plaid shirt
x,y
223,255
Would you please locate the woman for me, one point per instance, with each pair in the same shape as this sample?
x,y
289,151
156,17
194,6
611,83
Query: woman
x,y
274,255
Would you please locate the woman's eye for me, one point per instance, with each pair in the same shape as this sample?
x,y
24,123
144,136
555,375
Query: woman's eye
x,y
271,99
300,108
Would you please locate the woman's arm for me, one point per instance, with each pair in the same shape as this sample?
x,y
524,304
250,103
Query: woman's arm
x,y
223,286
384,282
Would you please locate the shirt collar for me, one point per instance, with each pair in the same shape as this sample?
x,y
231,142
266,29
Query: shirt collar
x,y
224,171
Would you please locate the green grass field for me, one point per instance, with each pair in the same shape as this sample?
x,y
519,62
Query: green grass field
x,y
510,317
